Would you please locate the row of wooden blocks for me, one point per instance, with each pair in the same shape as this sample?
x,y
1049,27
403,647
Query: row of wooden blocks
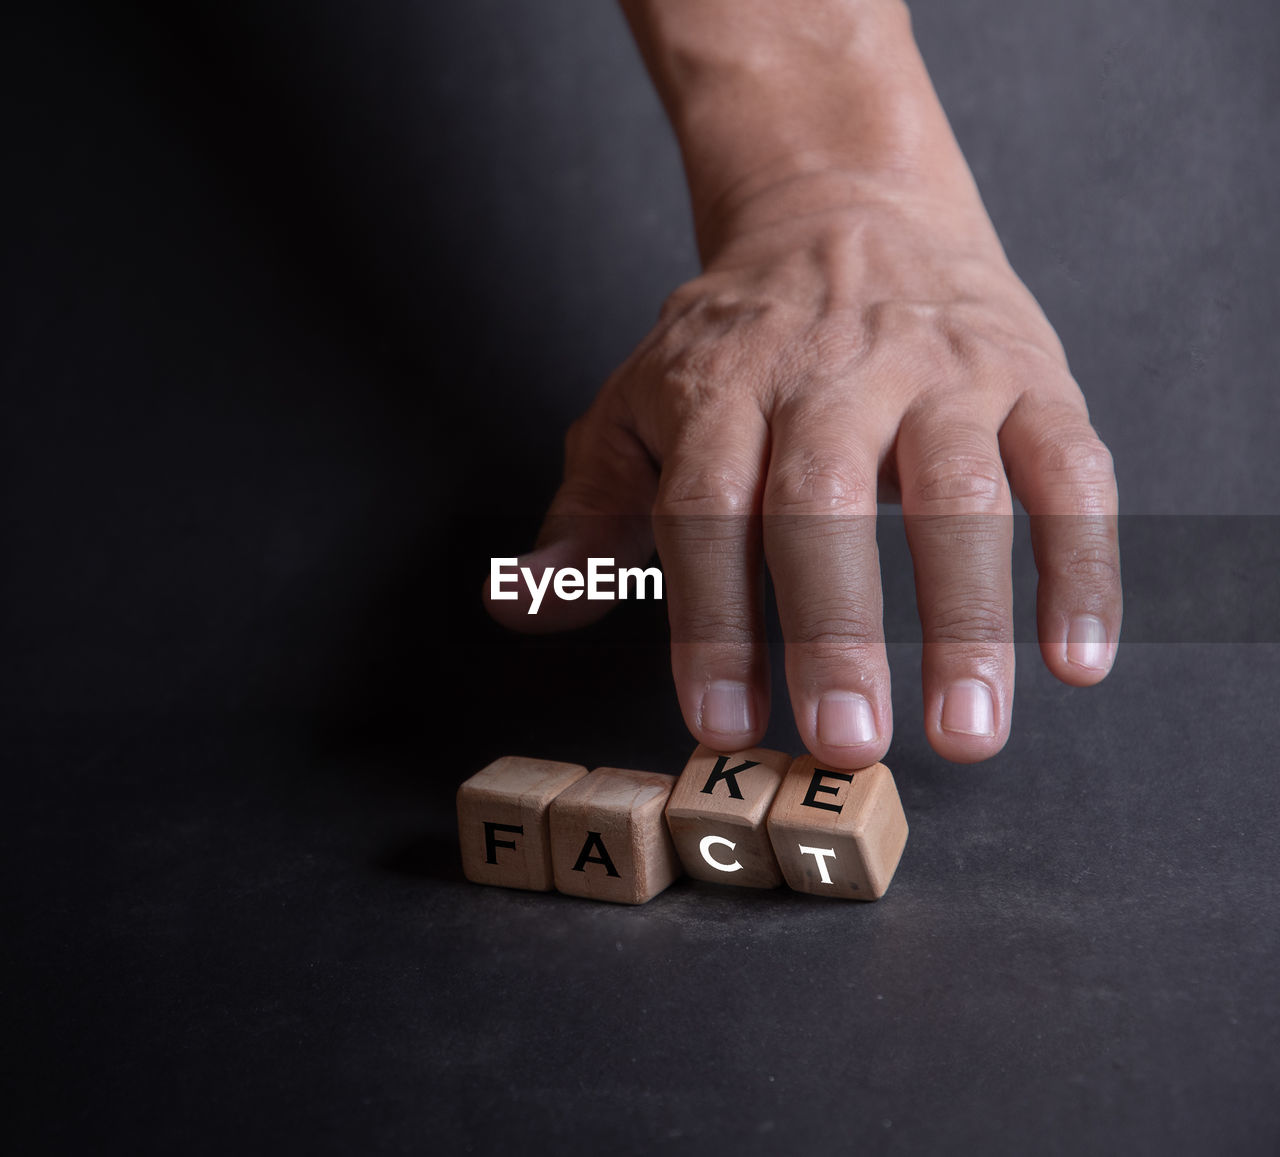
x,y
752,818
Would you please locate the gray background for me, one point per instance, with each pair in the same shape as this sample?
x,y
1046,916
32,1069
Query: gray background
x,y
298,300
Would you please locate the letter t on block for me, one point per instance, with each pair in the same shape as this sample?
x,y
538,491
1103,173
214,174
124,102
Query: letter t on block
x,y
838,833
503,821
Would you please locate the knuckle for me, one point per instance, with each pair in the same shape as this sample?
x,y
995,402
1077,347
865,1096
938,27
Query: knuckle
x,y
1079,457
972,621
714,490
832,341
818,484
831,631
722,625
956,476
1094,565
833,641
693,378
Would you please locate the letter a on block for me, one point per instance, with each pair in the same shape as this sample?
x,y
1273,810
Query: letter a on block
x,y
608,841
503,821
838,833
594,852
717,816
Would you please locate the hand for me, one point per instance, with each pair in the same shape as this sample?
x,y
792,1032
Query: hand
x,y
853,332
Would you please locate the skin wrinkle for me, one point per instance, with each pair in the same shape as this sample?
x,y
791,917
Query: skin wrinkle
x,y
724,629
822,529
1094,566
971,626
959,476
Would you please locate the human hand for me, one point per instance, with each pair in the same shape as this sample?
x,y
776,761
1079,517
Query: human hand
x,y
855,331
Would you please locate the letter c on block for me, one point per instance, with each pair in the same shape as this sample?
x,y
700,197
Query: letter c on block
x,y
705,848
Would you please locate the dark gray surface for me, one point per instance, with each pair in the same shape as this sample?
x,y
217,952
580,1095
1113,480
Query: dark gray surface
x,y
293,297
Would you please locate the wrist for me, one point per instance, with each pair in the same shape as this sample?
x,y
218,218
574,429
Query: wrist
x,y
800,109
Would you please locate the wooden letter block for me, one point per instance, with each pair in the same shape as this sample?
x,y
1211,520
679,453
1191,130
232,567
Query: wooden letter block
x,y
608,839
503,821
717,816
838,833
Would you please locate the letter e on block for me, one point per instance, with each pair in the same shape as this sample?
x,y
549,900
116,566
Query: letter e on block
x,y
717,816
608,838
503,821
838,833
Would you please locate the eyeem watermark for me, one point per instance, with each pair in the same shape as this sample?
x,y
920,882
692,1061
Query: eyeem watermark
x,y
603,581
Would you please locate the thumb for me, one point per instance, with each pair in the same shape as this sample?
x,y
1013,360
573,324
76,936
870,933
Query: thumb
x,y
602,510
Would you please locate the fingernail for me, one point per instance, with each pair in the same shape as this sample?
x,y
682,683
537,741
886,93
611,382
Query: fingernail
x,y
968,709
845,719
1087,642
726,708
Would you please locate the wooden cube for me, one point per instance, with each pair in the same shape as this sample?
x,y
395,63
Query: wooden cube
x,y
503,821
837,833
717,815
608,838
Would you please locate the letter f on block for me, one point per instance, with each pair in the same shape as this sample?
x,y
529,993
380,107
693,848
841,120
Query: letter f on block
x,y
492,843
820,854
